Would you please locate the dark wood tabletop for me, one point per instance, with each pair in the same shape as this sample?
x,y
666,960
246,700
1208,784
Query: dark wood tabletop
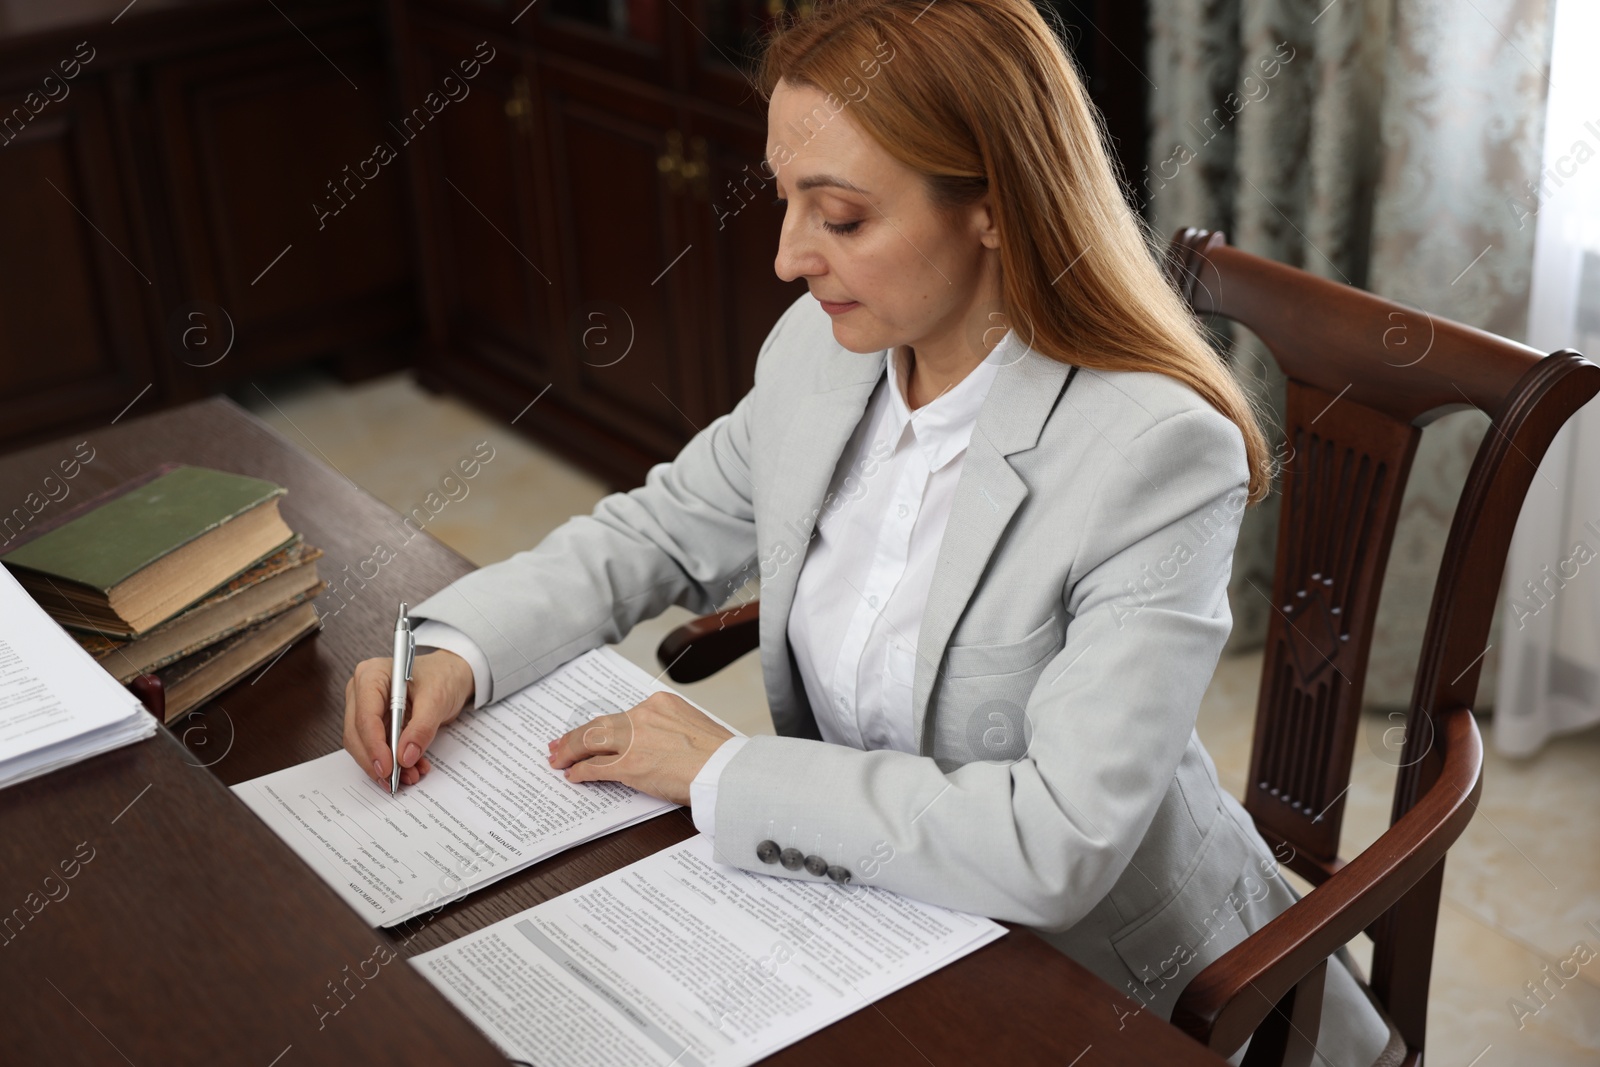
x,y
194,935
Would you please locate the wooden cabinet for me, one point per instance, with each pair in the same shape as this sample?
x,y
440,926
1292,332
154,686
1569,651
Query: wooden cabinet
x,y
487,262
284,214
162,224
565,199
655,303
737,223
72,275
628,350
609,254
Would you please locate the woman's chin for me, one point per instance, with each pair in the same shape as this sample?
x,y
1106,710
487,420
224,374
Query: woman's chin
x,y
855,340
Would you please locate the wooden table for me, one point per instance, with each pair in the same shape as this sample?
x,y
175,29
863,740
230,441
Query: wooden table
x,y
195,935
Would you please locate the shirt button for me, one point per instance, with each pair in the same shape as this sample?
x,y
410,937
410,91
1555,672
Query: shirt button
x,y
791,858
767,852
904,511
816,865
873,601
839,874
842,702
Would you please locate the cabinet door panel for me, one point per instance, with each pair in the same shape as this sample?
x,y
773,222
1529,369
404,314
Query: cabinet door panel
x,y
738,225
721,54
289,194
626,38
623,251
73,343
493,270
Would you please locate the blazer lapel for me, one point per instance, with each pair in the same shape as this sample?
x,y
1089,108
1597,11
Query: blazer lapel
x,y
821,427
1019,402
988,493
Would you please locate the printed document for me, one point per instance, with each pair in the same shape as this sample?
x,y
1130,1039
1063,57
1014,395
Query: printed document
x,y
57,705
491,805
678,959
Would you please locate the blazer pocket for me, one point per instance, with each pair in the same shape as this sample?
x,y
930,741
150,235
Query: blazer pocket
x,y
964,661
1177,939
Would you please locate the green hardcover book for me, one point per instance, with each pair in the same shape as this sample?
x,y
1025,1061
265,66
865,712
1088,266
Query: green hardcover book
x,y
143,556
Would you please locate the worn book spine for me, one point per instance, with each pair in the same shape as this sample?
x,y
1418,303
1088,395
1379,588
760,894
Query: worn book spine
x,y
129,674
195,679
297,553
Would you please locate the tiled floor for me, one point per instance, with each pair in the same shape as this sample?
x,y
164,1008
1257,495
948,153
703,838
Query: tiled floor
x,y
1522,886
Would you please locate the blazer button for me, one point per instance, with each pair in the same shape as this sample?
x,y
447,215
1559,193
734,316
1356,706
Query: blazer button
x,y
816,865
791,858
839,874
767,852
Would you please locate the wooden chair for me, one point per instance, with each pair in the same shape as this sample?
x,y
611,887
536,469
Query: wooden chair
x,y
1364,376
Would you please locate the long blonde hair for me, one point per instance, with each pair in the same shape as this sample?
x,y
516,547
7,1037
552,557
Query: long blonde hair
x,y
979,96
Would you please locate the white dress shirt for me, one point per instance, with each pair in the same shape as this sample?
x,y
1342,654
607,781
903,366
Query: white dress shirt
x,y
441,635
864,579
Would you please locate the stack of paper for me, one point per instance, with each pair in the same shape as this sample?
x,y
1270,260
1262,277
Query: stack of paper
x,y
674,960
680,960
56,705
491,805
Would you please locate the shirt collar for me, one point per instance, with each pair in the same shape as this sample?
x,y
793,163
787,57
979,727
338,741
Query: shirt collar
x,y
943,426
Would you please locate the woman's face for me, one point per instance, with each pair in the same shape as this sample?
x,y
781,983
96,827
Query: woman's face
x,y
860,229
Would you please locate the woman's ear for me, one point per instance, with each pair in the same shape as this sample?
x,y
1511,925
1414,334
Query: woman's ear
x,y
983,221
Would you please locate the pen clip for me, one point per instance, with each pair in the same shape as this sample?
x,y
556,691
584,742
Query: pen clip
x,y
411,652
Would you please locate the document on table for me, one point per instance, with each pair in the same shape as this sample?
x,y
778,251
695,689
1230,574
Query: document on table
x,y
680,960
490,806
57,705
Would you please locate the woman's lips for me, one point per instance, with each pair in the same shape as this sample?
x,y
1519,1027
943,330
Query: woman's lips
x,y
838,309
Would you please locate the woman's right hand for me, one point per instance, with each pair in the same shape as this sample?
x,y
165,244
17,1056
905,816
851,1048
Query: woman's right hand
x,y
441,685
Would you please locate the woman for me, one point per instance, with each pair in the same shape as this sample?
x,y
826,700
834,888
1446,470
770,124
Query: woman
x,y
990,476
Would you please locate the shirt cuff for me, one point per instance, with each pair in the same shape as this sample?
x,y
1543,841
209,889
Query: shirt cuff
x,y
443,636
703,790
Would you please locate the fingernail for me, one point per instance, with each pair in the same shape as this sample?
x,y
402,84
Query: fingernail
x,y
412,752
377,769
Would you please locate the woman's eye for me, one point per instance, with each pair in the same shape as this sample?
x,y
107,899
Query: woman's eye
x,y
844,228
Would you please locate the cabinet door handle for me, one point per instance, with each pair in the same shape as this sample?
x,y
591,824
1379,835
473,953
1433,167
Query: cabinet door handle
x,y
697,170
672,163
519,107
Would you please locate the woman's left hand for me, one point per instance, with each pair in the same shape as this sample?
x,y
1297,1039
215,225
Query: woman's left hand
x,y
657,747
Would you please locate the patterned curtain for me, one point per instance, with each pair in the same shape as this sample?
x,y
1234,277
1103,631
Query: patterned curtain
x,y
1388,144
1550,669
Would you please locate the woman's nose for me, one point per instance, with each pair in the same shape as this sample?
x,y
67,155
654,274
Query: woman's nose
x,y
795,259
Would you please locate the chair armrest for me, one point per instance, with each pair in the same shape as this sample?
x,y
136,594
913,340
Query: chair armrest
x,y
702,647
1274,959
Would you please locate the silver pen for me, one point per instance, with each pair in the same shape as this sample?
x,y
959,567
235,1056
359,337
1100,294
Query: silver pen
x,y
405,647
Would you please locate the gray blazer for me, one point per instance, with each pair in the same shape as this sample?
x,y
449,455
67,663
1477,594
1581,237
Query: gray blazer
x,y
1078,607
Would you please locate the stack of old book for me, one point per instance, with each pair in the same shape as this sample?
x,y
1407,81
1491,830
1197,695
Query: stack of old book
x,y
189,574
